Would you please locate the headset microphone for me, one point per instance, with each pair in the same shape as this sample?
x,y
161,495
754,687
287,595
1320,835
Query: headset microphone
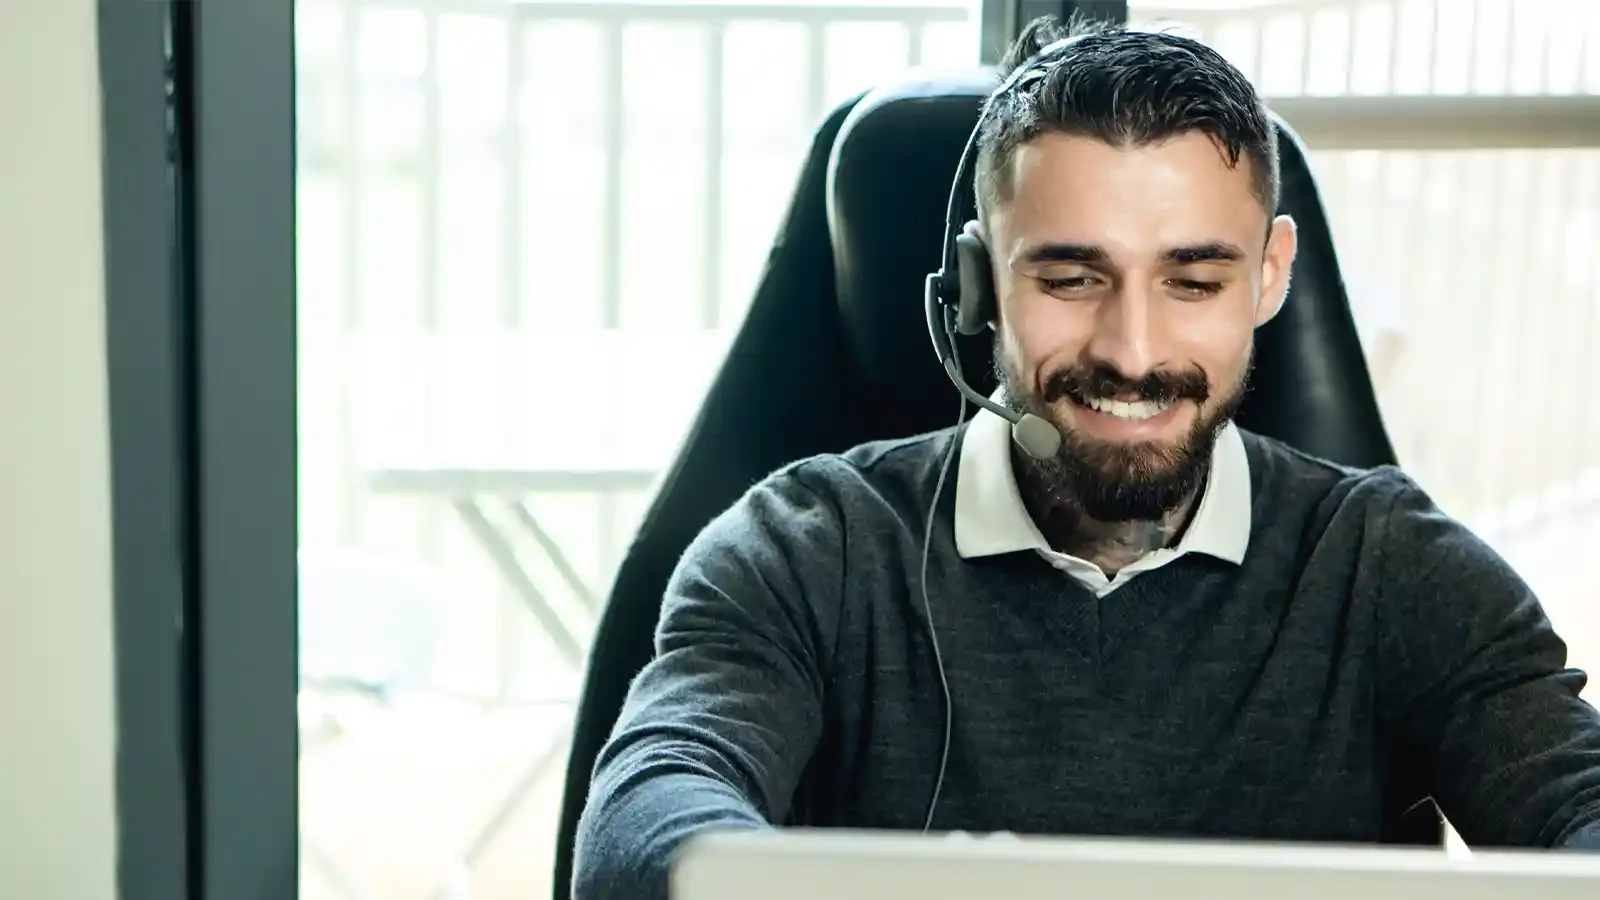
x,y
960,296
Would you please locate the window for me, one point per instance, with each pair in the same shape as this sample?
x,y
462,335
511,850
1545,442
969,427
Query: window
x,y
525,236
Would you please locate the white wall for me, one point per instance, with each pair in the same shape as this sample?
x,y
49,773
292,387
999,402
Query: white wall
x,y
57,808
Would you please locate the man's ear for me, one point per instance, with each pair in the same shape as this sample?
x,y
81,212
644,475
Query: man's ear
x,y
975,228
1276,264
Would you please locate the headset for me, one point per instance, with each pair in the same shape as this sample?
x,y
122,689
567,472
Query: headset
x,y
959,299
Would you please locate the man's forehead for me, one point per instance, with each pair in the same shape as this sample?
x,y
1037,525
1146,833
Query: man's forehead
x,y
1061,154
1182,190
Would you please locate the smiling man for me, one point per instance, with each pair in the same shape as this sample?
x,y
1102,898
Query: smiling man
x,y
1169,627
1135,253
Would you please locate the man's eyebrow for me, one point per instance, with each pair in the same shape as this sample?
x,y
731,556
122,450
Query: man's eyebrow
x,y
1215,251
1089,254
1059,252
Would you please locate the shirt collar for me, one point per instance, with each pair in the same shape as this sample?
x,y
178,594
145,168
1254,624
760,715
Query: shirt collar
x,y
990,517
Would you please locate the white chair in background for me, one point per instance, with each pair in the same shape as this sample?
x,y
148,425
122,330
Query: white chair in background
x,y
370,631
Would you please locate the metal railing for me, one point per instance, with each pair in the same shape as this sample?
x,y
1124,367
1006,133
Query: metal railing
x,y
352,86
408,106
1357,47
1423,123
1344,115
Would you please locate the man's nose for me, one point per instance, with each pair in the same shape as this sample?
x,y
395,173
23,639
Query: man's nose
x,y
1127,333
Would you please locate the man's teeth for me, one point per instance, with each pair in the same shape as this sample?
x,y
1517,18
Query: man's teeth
x,y
1139,409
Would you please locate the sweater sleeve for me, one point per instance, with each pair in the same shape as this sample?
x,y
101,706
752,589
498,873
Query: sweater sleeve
x,y
1476,679
718,727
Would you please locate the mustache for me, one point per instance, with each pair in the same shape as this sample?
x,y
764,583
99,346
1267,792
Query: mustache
x,y
1103,380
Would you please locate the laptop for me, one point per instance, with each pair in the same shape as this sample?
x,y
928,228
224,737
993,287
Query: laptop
x,y
845,865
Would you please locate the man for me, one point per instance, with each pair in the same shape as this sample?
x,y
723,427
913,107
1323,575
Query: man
x,y
1172,628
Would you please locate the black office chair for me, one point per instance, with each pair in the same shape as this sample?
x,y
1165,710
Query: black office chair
x,y
834,351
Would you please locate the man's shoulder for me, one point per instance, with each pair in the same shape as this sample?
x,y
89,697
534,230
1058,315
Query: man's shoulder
x,y
1378,510
1272,460
1285,479
894,470
802,517
816,501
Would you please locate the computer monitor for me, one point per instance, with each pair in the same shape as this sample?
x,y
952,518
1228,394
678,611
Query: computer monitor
x,y
843,865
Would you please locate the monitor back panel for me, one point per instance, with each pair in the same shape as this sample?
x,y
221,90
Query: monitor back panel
x,y
834,865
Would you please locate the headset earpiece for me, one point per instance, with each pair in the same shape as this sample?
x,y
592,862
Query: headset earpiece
x,y
975,304
963,286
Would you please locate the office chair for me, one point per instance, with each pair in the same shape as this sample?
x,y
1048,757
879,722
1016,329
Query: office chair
x,y
834,351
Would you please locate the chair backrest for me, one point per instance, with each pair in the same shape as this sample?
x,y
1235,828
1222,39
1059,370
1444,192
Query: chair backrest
x,y
838,314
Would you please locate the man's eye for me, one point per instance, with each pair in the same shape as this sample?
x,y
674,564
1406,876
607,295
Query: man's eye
x,y
1196,288
1075,283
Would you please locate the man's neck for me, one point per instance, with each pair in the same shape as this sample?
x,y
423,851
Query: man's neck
x,y
1109,545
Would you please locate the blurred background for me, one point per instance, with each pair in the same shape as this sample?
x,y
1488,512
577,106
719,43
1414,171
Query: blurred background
x,y
527,230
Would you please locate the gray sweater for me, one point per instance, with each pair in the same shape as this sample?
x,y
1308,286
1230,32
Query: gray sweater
x,y
794,683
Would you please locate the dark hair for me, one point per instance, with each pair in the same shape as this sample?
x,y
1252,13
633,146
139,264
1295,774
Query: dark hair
x,y
1126,88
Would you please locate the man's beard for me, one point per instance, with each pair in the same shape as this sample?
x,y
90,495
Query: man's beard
x,y
1115,481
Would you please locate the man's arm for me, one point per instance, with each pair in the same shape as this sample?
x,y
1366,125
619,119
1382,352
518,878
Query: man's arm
x,y
718,727
1477,680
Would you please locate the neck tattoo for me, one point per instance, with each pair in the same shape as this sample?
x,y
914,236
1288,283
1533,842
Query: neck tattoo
x,y
1109,545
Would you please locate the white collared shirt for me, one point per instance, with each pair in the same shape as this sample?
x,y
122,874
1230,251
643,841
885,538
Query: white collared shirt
x,y
991,519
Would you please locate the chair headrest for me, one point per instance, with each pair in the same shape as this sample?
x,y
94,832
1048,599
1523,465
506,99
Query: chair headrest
x,y
889,181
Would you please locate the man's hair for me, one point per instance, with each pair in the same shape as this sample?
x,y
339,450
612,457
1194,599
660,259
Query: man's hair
x,y
1126,88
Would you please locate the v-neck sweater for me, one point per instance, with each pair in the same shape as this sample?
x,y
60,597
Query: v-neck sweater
x,y
795,679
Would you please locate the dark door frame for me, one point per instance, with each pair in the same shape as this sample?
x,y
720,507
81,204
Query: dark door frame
x,y
198,168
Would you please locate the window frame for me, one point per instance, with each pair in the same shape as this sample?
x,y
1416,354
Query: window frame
x,y
198,165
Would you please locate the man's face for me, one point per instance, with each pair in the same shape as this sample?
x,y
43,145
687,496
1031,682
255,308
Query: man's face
x,y
1130,284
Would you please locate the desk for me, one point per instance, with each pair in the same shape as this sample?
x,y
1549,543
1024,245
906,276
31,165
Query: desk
x,y
482,422
490,501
